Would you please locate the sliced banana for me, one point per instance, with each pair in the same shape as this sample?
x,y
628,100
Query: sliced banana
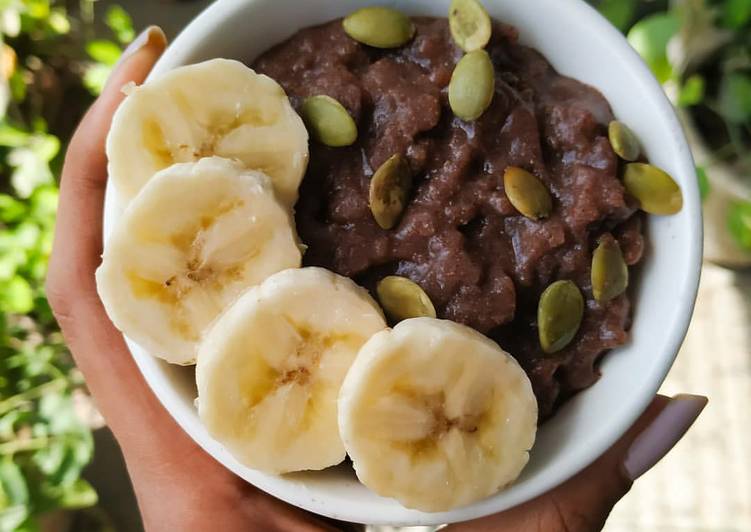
x,y
436,415
270,369
196,237
219,107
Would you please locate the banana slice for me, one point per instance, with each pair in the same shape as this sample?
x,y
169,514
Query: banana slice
x,y
436,415
219,107
270,369
195,237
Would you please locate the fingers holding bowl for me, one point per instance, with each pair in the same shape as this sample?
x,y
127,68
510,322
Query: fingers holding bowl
x,y
584,502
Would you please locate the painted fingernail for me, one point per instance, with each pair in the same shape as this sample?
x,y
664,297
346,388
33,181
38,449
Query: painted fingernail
x,y
151,36
665,431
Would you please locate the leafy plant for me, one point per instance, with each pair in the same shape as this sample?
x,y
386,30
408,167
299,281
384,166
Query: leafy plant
x,y
51,68
701,51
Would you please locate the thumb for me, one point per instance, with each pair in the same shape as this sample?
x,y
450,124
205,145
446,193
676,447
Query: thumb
x,y
96,345
584,502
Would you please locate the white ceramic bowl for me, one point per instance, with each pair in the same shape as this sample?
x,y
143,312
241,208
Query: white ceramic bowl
x,y
581,44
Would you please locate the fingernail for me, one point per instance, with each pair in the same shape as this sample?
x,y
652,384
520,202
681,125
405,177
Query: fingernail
x,y
151,36
665,431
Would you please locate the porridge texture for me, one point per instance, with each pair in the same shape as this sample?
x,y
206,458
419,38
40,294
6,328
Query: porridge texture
x,y
481,262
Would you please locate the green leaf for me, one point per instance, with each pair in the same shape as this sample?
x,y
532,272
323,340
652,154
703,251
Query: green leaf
x,y
736,13
17,85
29,525
39,126
27,235
47,240
704,187
45,146
16,296
650,37
44,202
31,163
620,13
80,494
12,137
38,9
105,52
58,21
77,456
11,210
692,91
8,424
95,78
119,21
10,262
13,517
50,459
739,224
735,98
10,22
13,483
59,413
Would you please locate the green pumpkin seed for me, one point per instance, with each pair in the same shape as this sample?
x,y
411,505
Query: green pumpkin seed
x,y
609,271
328,121
559,315
379,27
470,24
624,142
472,85
389,191
656,191
527,193
402,299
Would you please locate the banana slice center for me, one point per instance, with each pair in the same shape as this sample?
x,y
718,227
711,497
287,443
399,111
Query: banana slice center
x,y
167,153
440,422
443,423
308,352
209,131
296,378
209,264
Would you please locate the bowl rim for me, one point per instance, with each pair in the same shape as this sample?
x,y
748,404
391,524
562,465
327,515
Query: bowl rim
x,y
202,27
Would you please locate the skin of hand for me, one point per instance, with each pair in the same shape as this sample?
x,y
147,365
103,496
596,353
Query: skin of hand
x,y
178,486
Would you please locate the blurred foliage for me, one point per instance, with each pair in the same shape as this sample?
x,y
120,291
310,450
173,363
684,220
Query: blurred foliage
x,y
701,51
51,68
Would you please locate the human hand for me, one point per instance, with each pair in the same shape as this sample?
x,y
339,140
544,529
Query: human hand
x,y
583,503
178,486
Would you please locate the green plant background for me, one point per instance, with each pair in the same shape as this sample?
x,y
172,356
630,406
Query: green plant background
x,y
701,51
52,68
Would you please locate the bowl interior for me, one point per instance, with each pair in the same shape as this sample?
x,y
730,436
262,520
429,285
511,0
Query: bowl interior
x,y
581,44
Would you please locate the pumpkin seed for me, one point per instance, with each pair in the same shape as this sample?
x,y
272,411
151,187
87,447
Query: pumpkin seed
x,y
328,121
609,271
470,24
656,191
472,85
379,27
389,191
559,315
624,142
402,299
527,193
